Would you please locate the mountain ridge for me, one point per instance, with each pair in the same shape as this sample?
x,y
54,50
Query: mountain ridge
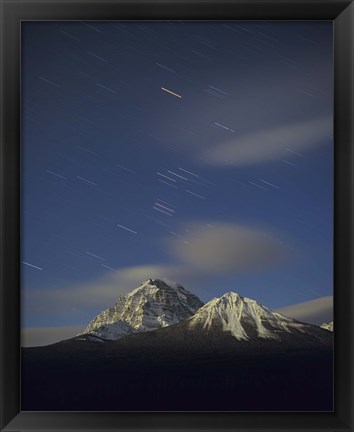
x,y
232,354
328,326
152,305
155,306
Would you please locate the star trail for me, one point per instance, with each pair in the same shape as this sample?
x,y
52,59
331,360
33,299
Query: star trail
x,y
148,148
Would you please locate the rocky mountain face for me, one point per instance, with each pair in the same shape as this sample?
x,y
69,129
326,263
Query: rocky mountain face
x,y
172,317
154,304
232,324
328,326
245,319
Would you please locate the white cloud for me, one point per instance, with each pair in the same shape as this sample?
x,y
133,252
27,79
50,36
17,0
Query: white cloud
x,y
270,144
315,311
39,336
228,248
68,303
100,293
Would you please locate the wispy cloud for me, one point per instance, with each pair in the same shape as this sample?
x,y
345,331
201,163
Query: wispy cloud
x,y
315,311
39,336
98,294
268,145
232,248
207,250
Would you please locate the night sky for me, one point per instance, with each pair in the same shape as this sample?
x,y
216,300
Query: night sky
x,y
199,152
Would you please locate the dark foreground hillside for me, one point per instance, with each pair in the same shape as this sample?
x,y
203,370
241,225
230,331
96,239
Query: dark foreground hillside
x,y
83,375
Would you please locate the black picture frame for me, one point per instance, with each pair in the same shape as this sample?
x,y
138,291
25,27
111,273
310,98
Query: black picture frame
x,y
12,13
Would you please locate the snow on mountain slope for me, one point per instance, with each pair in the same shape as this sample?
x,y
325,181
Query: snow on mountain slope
x,y
244,319
156,305
152,305
328,326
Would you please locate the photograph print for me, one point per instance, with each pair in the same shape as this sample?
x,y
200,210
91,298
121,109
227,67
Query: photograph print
x,y
177,216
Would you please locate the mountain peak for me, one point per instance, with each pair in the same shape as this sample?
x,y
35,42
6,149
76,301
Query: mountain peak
x,y
241,316
327,326
153,304
155,285
236,299
159,283
232,296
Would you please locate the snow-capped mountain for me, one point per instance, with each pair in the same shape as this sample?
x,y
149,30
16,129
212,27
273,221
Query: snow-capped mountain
x,y
154,304
327,326
230,349
245,319
232,324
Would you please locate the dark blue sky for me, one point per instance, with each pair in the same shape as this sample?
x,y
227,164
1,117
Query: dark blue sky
x,y
200,152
